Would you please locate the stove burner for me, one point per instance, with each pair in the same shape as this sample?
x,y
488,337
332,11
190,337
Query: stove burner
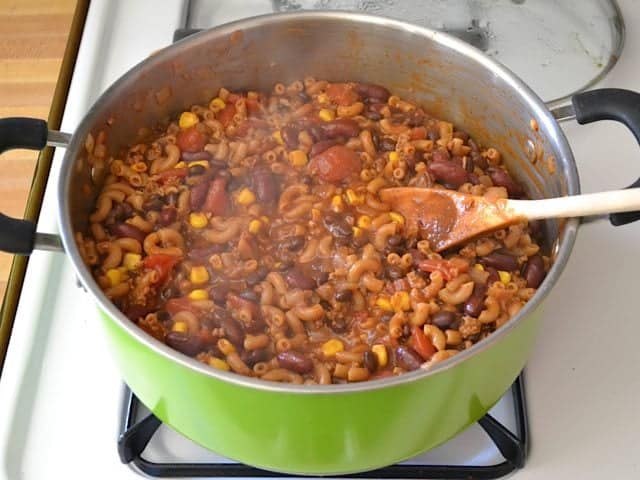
x,y
135,436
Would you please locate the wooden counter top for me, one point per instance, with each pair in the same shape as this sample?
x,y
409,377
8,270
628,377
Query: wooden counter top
x,y
33,36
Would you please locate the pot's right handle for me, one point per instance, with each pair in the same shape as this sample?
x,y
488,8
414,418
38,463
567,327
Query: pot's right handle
x,y
611,104
18,235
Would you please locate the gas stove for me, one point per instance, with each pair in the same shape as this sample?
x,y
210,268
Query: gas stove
x,y
68,414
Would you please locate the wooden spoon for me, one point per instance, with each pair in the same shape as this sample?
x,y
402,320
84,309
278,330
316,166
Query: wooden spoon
x,y
446,217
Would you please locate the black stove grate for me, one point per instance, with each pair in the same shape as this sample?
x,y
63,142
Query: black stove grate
x,y
135,436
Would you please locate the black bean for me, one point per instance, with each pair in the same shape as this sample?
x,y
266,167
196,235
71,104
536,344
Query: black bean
x,y
196,170
337,225
407,358
370,361
475,303
395,240
296,361
232,330
444,319
304,97
125,230
344,296
155,203
290,135
296,278
293,243
184,343
468,164
338,325
163,315
387,144
265,185
534,271
372,115
375,138
415,118
500,261
256,276
167,216
393,272
171,199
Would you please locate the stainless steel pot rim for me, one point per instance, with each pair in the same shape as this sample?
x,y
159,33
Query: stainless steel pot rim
x,y
537,108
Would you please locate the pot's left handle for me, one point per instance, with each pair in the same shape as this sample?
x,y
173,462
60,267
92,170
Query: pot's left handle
x,y
17,235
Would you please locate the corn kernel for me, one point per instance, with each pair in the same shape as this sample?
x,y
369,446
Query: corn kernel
x,y
326,115
131,260
246,197
323,98
219,364
397,218
380,351
217,104
298,158
394,157
357,232
187,120
364,221
336,201
277,136
198,220
400,301
331,347
255,226
180,164
505,277
204,163
198,275
479,267
264,219
384,304
115,276
198,294
354,198
181,327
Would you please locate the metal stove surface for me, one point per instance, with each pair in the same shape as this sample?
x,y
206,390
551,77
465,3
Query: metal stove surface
x,y
61,395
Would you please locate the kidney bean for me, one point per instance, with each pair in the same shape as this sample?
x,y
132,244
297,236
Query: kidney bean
x,y
372,115
184,343
293,243
341,127
125,230
444,319
167,216
296,278
319,147
265,185
393,272
193,156
500,261
249,295
534,271
321,277
448,173
475,303
501,178
440,155
316,131
337,225
344,296
395,240
370,361
232,330
254,356
304,97
256,276
407,358
296,361
197,195
370,91
216,199
493,276
387,144
290,135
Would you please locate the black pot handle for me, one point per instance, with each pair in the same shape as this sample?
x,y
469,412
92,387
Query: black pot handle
x,y
16,235
611,104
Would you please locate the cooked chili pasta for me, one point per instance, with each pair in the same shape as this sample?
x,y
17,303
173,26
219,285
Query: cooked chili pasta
x,y
250,235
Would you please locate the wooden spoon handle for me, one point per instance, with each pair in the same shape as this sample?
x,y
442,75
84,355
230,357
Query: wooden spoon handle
x,y
578,205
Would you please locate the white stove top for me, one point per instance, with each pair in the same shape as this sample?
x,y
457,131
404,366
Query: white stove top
x,y
61,395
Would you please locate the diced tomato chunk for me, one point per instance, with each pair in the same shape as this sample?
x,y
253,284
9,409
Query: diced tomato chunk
x,y
418,133
175,305
342,93
191,140
336,164
216,200
253,107
421,344
225,115
162,263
